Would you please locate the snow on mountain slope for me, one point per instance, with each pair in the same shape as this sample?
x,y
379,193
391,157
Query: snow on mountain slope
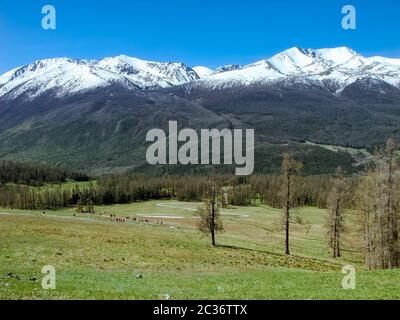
x,y
261,71
229,67
150,73
291,61
333,69
203,71
385,60
333,56
68,76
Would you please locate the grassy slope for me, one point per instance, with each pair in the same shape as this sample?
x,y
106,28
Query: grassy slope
x,y
98,258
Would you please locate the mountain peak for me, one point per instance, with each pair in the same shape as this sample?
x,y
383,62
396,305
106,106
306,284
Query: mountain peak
x,y
306,56
68,76
331,68
291,60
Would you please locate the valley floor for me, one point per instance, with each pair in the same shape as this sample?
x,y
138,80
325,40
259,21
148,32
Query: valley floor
x,y
161,255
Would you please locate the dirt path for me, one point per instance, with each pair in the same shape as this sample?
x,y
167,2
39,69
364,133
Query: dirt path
x,y
163,216
51,216
196,210
175,207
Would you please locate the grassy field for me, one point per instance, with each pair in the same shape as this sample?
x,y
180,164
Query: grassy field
x,y
161,255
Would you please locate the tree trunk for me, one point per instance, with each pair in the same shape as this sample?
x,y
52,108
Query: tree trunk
x,y
337,253
337,235
287,231
382,249
287,216
213,221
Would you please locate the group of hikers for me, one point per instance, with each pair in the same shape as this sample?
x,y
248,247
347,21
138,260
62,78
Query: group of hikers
x,y
115,218
121,219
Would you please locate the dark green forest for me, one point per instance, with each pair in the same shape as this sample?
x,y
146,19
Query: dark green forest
x,y
36,174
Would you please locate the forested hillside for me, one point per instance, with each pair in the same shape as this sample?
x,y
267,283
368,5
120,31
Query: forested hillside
x,y
35,174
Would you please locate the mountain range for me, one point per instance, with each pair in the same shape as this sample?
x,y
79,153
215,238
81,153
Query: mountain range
x,y
332,69
94,114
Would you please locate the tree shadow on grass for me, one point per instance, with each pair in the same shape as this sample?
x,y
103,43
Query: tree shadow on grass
x,y
281,255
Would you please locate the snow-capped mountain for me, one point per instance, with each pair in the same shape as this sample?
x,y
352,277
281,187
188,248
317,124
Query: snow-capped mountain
x,y
333,69
68,76
229,67
149,73
95,114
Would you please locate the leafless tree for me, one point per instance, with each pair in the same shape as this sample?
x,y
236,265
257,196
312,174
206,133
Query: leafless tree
x,y
365,200
388,171
336,200
290,168
210,221
379,203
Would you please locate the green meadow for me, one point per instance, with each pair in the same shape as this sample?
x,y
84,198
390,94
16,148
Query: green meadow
x,y
158,253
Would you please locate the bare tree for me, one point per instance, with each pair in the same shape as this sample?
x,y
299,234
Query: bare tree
x,y
390,202
335,201
289,169
379,202
365,200
210,221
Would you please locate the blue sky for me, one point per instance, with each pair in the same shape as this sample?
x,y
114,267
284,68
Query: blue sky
x,y
197,32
